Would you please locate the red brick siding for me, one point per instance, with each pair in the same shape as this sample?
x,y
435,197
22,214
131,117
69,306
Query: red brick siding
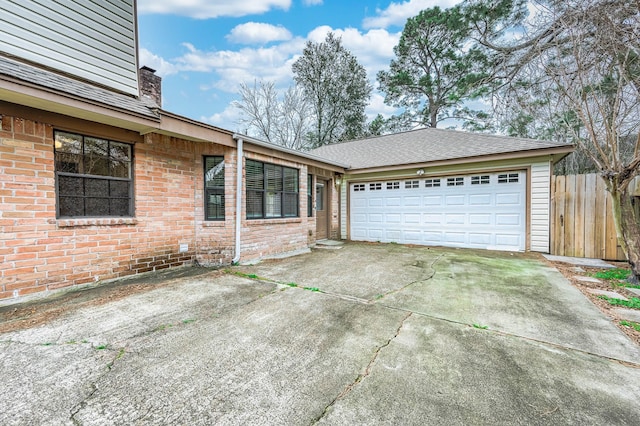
x,y
39,252
265,237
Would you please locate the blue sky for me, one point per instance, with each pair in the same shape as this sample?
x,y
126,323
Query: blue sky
x,y
204,49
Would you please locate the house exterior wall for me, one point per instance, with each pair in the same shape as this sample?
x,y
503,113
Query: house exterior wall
x,y
39,252
344,212
540,204
538,190
92,39
266,237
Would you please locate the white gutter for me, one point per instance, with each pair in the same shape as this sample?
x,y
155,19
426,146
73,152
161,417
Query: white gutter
x,y
239,155
301,154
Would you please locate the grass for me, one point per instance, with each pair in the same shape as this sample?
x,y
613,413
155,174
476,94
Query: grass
x,y
613,274
633,303
634,325
312,288
618,276
480,327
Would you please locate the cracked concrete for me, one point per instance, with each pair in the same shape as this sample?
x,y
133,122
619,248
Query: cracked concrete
x,y
364,374
226,349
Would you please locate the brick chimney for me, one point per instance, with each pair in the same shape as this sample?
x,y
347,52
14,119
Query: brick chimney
x,y
150,85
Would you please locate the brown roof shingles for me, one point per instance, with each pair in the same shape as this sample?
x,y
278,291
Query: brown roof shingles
x,y
425,146
63,84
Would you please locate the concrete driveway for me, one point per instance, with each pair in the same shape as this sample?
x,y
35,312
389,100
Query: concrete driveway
x,y
368,334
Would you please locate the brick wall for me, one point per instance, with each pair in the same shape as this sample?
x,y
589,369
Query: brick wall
x,y
39,252
29,246
266,237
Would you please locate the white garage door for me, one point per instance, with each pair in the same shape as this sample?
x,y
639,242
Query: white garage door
x,y
477,211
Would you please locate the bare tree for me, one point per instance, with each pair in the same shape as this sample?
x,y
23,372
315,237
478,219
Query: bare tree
x,y
579,64
282,120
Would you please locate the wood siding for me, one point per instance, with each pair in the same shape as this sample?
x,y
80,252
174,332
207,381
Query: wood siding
x,y
540,209
91,39
582,221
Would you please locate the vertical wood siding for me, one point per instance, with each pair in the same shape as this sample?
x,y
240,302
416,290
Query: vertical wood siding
x,y
582,221
540,210
91,39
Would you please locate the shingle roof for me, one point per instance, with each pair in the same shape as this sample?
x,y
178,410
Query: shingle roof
x,y
426,145
60,83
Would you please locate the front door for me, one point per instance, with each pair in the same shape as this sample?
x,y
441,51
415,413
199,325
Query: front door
x,y
322,213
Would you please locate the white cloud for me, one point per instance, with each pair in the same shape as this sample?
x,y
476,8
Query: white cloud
x,y
163,68
258,33
227,119
225,70
377,106
398,13
205,9
312,2
229,68
373,49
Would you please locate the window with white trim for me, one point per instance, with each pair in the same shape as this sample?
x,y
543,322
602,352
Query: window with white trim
x,y
214,188
375,186
272,190
93,176
393,185
455,181
431,183
480,180
411,184
309,195
358,187
508,178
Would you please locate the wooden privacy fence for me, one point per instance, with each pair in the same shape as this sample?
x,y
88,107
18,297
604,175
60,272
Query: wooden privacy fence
x,y
581,218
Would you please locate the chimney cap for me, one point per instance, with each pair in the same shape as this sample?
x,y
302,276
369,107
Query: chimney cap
x,y
146,68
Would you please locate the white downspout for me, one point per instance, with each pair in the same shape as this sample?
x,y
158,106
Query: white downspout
x,y
239,154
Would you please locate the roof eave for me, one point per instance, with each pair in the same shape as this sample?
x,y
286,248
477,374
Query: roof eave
x,y
556,154
27,94
333,165
185,128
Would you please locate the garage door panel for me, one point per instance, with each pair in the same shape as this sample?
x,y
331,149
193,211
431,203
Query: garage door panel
x,y
433,200
480,200
411,201
433,219
412,236
480,219
455,200
376,202
376,217
512,240
479,211
358,203
359,234
374,234
431,237
455,237
507,219
455,219
359,218
512,199
412,218
479,239
393,235
393,218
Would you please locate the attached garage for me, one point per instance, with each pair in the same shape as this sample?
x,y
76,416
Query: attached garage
x,y
486,210
447,188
